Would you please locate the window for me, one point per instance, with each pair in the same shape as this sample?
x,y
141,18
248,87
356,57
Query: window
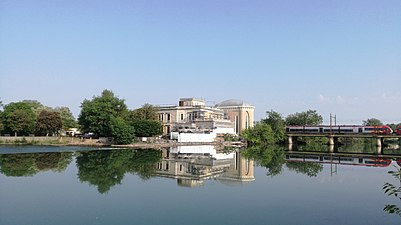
x,y
182,116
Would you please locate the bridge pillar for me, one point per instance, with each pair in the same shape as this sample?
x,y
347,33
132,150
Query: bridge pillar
x,y
379,141
331,148
379,150
292,140
291,147
333,140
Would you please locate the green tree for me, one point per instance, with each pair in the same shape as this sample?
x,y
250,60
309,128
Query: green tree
x,y
393,190
310,117
1,122
147,128
121,132
277,123
272,157
311,169
261,133
48,122
19,118
36,106
97,114
67,117
146,112
18,165
372,122
105,169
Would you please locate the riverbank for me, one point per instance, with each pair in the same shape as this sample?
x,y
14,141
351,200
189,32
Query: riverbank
x,y
73,141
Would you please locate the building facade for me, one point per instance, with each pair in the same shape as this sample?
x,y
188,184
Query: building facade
x,y
194,116
239,112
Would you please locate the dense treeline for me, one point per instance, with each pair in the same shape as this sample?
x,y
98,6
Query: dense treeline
x,y
31,117
108,116
103,169
104,116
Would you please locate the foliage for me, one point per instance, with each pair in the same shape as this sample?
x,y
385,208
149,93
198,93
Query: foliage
x,y
311,169
261,133
122,132
36,106
393,190
1,122
146,112
18,165
372,122
97,114
1,118
147,128
67,117
277,123
106,169
271,157
19,118
310,117
48,122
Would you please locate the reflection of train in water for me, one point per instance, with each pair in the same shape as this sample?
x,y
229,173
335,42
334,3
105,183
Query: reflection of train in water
x,y
343,129
343,160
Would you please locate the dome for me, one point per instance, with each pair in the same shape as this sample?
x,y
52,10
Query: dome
x,y
233,103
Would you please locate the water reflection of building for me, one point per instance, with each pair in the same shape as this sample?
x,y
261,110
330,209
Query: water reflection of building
x,y
191,165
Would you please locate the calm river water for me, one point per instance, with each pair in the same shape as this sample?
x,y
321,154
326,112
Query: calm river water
x,y
193,185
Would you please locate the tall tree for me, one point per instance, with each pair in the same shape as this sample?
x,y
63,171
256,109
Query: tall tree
x,y
310,117
146,112
97,114
277,123
1,118
18,118
67,117
372,122
36,106
48,122
147,128
121,131
261,133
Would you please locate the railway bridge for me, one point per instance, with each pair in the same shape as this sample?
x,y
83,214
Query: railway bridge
x,y
333,138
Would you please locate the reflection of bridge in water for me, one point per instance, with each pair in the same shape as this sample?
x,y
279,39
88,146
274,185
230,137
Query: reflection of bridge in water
x,y
192,165
344,158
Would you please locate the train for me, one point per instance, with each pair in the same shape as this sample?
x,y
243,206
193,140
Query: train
x,y
342,129
343,160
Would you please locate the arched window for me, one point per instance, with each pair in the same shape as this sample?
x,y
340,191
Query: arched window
x,y
247,120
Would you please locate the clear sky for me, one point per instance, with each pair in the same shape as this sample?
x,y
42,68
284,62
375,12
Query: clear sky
x,y
335,56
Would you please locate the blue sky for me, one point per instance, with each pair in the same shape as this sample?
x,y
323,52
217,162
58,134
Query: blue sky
x,y
340,57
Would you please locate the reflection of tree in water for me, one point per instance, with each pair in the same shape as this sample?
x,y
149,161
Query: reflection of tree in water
x,y
19,165
105,169
311,169
393,190
271,157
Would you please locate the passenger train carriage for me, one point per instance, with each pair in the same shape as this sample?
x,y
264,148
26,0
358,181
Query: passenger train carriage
x,y
343,129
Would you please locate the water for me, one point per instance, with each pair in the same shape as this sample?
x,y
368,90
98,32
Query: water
x,y
193,185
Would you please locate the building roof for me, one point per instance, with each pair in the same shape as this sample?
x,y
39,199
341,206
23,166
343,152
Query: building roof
x,y
233,103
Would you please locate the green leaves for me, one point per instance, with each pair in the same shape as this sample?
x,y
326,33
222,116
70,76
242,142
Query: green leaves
x,y
121,132
48,123
19,118
260,133
392,190
96,114
310,117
